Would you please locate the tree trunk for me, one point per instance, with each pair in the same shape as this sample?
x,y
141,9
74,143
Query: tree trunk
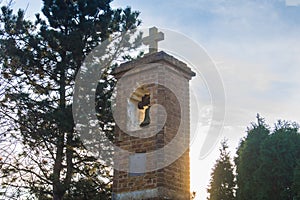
x,y
57,196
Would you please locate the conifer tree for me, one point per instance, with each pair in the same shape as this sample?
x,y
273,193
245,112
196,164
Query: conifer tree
x,y
222,182
266,162
296,181
277,172
247,160
39,61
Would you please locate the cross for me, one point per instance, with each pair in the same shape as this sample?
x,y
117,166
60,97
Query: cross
x,y
152,39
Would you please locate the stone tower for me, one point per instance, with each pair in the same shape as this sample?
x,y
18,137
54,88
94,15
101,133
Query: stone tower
x,y
152,135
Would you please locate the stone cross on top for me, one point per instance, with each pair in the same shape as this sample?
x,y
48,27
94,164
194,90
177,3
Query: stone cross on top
x,y
153,39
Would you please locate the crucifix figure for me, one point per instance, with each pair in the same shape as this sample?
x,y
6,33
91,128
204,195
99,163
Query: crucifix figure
x,y
153,39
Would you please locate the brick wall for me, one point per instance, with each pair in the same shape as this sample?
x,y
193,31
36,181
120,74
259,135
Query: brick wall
x,y
166,151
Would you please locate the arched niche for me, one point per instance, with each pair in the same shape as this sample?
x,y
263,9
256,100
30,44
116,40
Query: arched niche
x,y
137,108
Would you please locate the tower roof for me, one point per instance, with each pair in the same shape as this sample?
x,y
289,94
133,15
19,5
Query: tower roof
x,y
158,57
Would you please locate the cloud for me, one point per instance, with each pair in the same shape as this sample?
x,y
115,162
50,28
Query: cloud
x,y
292,2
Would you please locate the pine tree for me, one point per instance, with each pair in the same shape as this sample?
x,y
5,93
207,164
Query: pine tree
x,y
222,182
39,62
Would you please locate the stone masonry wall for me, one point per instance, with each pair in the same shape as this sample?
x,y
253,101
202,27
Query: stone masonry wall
x,y
169,88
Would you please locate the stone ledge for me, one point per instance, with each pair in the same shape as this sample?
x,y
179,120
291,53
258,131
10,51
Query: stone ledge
x,y
159,57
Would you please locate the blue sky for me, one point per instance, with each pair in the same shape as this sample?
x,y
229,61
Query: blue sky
x,y
255,45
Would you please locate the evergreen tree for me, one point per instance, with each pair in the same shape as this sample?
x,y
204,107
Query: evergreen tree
x,y
266,162
39,63
278,160
222,182
296,182
248,161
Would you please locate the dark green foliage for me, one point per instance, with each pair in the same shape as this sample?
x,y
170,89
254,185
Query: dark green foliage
x,y
39,63
279,154
296,181
247,161
266,162
222,179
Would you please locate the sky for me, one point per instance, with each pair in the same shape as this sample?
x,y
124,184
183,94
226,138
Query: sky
x,y
255,47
